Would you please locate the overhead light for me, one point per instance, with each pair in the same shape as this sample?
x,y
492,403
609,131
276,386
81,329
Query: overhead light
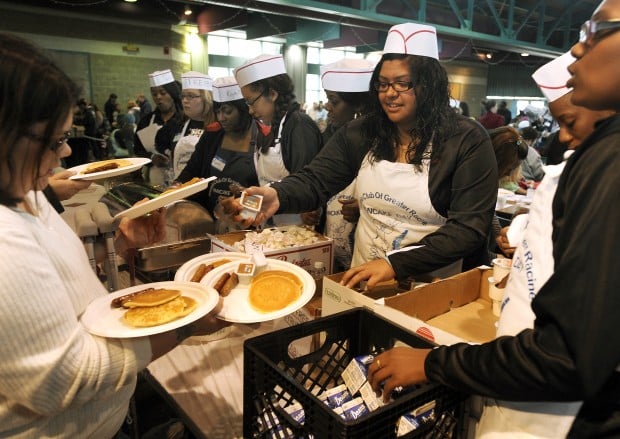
x,y
489,55
525,54
188,10
131,1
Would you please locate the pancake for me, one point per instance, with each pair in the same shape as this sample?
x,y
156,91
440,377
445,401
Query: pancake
x,y
190,305
152,297
156,315
106,165
279,273
273,293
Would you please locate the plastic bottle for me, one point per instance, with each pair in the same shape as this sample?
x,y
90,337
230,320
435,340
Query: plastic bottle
x,y
317,272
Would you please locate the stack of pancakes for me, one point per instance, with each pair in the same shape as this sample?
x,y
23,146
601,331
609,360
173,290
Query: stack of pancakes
x,y
273,290
157,306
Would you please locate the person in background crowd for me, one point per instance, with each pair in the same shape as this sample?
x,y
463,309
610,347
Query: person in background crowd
x,y
82,145
57,379
227,153
166,93
346,83
491,119
144,104
510,151
503,111
134,111
294,138
532,166
177,139
111,108
569,354
464,109
413,157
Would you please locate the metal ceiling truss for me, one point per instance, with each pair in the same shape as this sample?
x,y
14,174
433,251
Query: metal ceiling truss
x,y
500,25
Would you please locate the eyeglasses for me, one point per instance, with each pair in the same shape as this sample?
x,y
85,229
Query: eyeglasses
x,y
56,145
397,86
251,103
590,28
189,96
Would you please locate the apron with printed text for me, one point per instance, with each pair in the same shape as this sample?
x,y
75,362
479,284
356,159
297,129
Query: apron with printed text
x,y
395,210
340,230
270,168
532,265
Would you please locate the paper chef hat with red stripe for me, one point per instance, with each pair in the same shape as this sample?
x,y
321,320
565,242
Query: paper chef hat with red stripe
x,y
551,78
160,77
226,89
347,75
196,80
412,39
261,67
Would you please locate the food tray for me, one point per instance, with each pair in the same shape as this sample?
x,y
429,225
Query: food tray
x,y
273,379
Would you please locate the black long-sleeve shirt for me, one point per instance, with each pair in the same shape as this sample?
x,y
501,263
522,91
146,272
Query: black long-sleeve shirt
x,y
462,187
573,351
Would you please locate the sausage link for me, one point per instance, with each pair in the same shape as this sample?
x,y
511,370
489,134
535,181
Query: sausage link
x,y
220,282
230,283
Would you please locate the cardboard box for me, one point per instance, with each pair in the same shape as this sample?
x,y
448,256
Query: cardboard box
x,y
451,310
304,256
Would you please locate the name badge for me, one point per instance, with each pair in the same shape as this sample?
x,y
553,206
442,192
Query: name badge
x,y
218,163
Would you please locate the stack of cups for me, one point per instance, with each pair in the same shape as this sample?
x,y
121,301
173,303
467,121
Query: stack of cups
x,y
496,295
501,269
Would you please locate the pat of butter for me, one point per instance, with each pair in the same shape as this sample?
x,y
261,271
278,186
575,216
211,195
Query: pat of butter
x,y
251,205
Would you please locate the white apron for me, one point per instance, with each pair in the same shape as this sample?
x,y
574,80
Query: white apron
x,y
184,148
395,210
270,168
339,229
153,174
532,265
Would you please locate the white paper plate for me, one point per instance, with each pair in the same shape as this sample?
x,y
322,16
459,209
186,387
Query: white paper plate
x,y
237,308
164,199
187,270
103,320
136,163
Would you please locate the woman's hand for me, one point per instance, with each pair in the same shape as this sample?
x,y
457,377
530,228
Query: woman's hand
x,y
374,272
502,243
399,366
350,209
312,218
142,231
65,188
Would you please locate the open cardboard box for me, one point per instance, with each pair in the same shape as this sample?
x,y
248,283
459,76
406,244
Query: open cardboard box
x,y
451,310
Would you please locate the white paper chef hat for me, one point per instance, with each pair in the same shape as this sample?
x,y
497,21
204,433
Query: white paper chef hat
x,y
551,78
412,39
160,77
196,80
226,89
347,75
263,66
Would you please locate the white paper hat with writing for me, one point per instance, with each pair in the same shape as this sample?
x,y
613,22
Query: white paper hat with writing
x,y
226,89
160,77
412,39
196,80
551,78
347,75
261,67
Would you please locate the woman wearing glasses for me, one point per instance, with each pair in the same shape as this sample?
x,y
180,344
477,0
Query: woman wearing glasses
x,y
294,138
426,178
177,139
56,379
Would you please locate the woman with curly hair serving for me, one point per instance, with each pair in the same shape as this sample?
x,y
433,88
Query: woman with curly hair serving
x,y
294,138
426,178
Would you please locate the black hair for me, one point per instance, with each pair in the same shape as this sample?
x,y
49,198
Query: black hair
x,y
245,118
434,121
360,101
285,102
33,89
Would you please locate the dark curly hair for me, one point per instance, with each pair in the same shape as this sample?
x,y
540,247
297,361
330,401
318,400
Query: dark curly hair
x,y
435,121
285,102
245,119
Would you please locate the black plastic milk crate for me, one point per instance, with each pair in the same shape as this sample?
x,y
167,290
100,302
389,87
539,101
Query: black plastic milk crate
x,y
273,380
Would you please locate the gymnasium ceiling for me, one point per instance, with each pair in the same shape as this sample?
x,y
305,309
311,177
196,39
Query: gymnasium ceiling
x,y
467,29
